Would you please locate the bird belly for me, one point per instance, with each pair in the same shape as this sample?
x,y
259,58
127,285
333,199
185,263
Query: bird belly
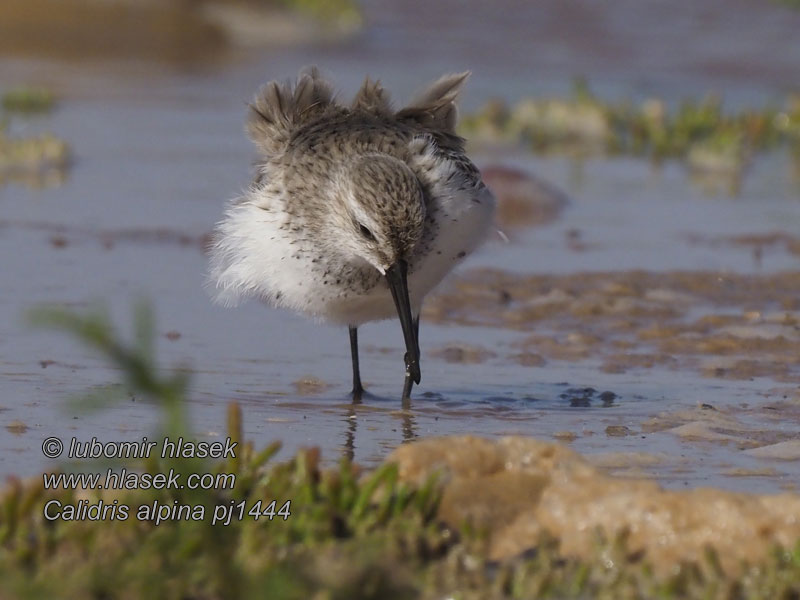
x,y
254,256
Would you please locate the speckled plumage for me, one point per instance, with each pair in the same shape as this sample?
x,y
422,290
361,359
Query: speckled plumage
x,y
342,193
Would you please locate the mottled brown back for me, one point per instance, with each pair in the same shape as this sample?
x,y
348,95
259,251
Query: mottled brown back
x,y
282,112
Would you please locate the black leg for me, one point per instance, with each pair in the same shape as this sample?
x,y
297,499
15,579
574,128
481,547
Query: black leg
x,y
409,383
358,389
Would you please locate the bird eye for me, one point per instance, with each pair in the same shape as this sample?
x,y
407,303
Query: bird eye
x,y
366,232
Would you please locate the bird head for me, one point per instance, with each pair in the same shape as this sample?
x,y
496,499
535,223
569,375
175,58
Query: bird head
x,y
383,213
383,210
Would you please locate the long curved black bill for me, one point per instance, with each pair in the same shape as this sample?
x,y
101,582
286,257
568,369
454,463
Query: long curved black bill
x,y
398,284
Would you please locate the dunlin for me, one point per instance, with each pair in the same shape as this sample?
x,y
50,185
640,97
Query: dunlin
x,y
357,211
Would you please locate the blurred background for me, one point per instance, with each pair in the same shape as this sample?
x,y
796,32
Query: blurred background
x,y
620,137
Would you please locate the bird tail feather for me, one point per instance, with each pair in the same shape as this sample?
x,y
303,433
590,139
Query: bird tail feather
x,y
372,98
279,108
435,107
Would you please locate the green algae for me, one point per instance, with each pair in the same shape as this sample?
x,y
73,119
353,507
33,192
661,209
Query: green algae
x,y
29,100
341,12
38,159
351,534
698,130
33,157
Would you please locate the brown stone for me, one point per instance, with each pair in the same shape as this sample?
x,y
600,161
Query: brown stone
x,y
517,488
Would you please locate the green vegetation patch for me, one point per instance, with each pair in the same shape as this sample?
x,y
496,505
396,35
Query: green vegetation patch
x,y
699,131
32,154
35,159
343,12
335,533
26,99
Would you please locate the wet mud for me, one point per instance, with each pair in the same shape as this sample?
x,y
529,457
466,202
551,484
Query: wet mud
x,y
186,33
60,236
720,325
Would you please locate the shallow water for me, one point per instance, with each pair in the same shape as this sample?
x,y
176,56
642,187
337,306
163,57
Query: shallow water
x,y
159,149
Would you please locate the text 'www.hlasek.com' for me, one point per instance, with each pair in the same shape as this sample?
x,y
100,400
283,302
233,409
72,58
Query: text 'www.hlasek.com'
x,y
123,478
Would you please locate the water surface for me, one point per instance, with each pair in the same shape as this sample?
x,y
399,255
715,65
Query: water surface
x,y
159,148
